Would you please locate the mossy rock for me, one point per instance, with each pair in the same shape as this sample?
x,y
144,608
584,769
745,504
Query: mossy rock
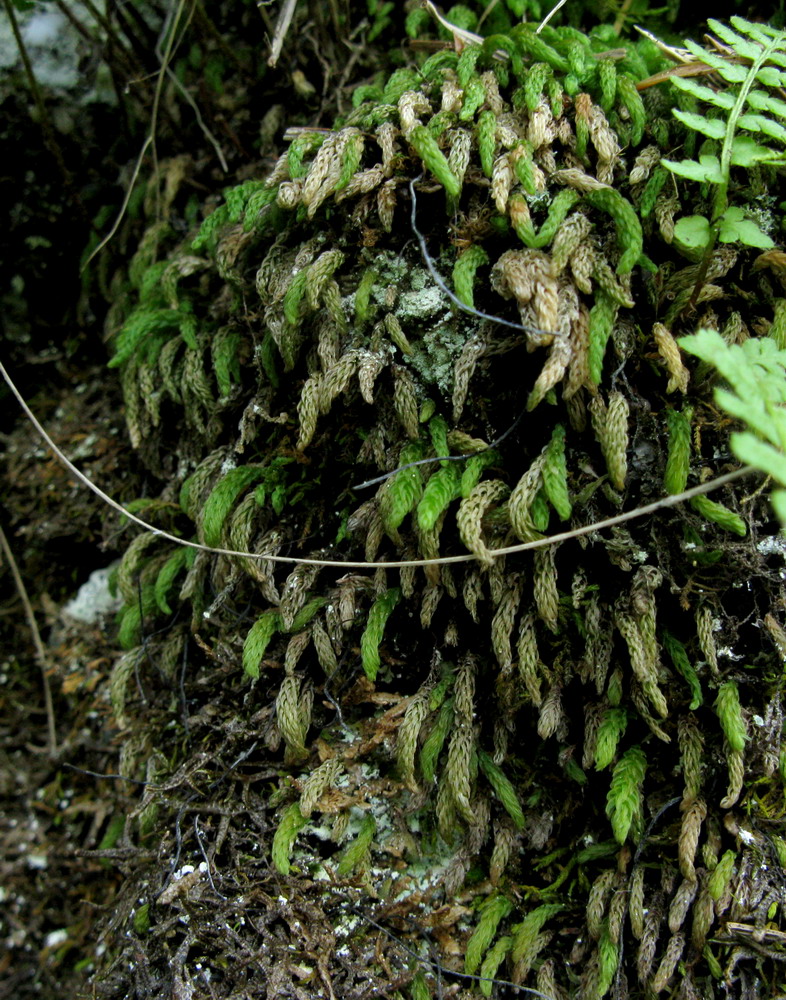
x,y
514,731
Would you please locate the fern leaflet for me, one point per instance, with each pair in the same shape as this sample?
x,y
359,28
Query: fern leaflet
x,y
742,119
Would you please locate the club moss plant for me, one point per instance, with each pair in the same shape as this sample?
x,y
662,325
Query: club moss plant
x,y
583,743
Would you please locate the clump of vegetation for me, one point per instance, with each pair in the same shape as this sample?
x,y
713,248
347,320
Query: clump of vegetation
x,y
516,726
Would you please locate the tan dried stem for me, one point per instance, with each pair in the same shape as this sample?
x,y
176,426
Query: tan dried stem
x,y
40,651
587,529
283,22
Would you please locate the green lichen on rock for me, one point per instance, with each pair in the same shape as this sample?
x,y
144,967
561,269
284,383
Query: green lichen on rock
x,y
305,345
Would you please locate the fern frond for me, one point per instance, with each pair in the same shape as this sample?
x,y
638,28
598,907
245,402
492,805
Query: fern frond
x,y
756,375
721,99
745,119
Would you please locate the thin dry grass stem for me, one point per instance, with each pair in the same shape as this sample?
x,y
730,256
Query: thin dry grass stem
x,y
200,120
150,141
489,7
668,501
40,651
283,22
461,36
165,58
121,214
551,14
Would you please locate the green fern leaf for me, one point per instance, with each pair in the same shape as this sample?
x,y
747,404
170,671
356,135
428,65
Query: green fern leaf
x,y
760,100
746,152
706,170
760,123
713,128
731,72
753,451
749,50
735,228
718,98
756,374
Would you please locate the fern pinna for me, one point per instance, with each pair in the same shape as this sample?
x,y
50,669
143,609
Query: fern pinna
x,y
742,125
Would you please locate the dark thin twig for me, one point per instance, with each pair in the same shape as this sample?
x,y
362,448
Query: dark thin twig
x,y
178,848
587,529
234,765
112,777
444,458
332,700
650,827
428,260
439,281
206,858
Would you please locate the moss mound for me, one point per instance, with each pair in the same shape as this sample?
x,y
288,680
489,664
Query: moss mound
x,y
562,764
